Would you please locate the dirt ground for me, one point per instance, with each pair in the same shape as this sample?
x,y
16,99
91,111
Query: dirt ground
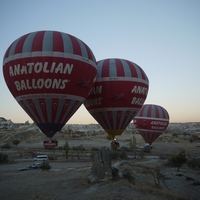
x,y
68,179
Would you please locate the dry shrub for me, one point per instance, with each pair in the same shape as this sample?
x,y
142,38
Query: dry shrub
x,y
45,165
127,174
194,138
3,157
15,142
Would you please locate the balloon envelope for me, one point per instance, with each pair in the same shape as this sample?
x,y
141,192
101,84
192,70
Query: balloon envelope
x,y
119,92
50,74
151,121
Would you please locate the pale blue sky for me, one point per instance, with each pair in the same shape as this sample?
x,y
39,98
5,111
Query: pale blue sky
x,y
161,36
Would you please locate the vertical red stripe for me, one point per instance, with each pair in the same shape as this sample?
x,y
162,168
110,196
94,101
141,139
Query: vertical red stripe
x,y
20,43
120,69
89,52
105,125
132,69
54,108
105,68
44,109
142,72
144,77
110,119
8,51
31,104
164,113
38,41
76,46
105,121
119,113
148,138
141,112
58,43
64,109
157,114
124,124
100,118
149,111
142,133
72,111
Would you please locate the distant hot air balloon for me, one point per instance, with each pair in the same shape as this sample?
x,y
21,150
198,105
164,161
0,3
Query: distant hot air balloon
x,y
119,92
151,121
50,74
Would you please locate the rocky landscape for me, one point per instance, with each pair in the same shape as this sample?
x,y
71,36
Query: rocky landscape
x,y
134,174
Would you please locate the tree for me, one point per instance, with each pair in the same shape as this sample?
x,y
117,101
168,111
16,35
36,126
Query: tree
x,y
133,145
158,176
66,147
178,160
15,142
45,165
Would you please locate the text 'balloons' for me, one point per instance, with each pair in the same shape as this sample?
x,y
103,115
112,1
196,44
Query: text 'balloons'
x,y
50,74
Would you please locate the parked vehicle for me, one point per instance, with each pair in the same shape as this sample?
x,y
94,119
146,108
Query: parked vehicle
x,y
41,158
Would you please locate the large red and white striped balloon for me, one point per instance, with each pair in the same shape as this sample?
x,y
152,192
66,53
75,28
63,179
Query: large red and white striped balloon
x,y
151,121
119,92
50,74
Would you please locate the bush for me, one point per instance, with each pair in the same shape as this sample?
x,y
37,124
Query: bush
x,y
52,157
175,135
15,142
79,147
177,160
194,138
3,157
94,149
45,165
121,153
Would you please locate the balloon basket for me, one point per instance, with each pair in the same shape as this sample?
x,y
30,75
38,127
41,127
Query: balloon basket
x,y
50,143
114,144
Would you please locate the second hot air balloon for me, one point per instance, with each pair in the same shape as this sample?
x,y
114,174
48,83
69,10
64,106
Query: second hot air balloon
x,y
118,94
50,74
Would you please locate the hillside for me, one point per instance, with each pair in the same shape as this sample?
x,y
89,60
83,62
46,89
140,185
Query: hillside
x,y
31,133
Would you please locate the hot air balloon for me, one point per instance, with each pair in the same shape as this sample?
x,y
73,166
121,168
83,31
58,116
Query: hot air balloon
x,y
118,94
50,74
151,121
